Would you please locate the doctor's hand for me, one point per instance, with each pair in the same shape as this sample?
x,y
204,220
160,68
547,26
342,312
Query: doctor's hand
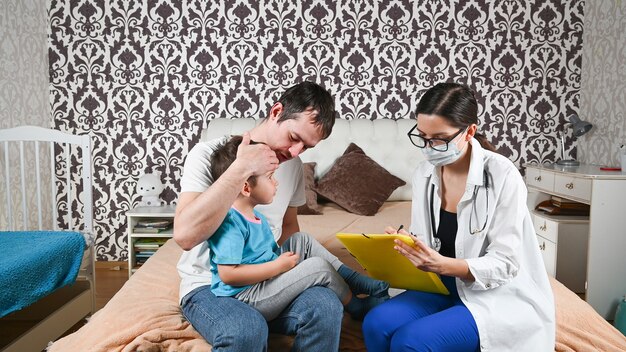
x,y
422,256
390,230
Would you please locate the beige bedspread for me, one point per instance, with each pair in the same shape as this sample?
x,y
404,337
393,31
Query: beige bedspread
x,y
144,315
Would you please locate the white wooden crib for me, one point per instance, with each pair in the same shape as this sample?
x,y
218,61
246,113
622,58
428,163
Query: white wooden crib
x,y
26,191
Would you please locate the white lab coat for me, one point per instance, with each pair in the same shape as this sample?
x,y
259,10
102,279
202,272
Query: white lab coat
x,y
511,299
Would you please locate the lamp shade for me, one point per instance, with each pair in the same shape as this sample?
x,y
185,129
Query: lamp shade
x,y
580,127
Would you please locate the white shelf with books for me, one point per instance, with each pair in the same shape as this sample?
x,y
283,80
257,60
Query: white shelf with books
x,y
148,229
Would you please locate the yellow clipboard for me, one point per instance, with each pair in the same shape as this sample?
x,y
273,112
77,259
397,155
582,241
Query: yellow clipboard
x,y
375,253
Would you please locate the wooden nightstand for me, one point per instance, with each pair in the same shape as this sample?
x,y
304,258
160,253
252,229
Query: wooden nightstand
x,y
135,215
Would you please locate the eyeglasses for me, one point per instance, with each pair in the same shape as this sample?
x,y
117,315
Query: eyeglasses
x,y
438,144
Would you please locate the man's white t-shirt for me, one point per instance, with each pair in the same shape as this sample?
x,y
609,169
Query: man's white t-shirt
x,y
193,266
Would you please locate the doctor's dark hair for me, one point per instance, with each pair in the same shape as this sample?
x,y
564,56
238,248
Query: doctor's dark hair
x,y
455,103
309,95
224,155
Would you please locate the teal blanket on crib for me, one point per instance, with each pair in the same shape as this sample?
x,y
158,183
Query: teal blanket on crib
x,y
35,263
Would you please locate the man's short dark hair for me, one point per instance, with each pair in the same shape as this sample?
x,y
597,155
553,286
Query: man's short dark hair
x,y
224,155
308,95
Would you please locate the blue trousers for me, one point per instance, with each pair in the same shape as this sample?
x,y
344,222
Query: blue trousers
x,y
421,321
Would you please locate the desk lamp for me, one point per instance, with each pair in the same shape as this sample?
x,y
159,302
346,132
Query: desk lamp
x,y
580,128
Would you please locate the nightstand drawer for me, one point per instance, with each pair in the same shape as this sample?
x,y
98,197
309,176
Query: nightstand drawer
x,y
540,179
546,228
548,253
575,187
563,246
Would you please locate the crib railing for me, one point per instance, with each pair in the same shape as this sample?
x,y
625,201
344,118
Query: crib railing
x,y
37,135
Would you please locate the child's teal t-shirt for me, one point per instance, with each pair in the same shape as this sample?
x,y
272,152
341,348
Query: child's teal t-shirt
x,y
240,240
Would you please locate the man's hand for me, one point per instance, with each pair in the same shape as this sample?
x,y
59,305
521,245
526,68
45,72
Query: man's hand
x,y
259,159
287,261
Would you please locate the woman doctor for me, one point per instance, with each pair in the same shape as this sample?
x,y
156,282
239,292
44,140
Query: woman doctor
x,y
471,226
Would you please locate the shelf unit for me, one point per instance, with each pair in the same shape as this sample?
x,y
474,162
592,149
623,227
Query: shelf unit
x,y
145,213
592,247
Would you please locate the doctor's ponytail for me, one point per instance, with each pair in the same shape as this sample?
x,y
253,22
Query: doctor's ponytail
x,y
484,142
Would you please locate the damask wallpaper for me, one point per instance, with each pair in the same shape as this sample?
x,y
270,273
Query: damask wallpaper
x,y
603,88
23,84
144,77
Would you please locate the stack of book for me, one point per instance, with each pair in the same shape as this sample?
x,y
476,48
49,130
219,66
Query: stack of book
x,y
561,206
152,225
146,247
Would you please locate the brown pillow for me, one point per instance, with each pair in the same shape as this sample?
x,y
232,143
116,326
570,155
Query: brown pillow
x,y
357,183
311,207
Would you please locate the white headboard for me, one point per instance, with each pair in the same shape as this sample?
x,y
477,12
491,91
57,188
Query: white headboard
x,y
383,140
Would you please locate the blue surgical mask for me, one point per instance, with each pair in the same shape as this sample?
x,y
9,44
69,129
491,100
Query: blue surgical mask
x,y
438,158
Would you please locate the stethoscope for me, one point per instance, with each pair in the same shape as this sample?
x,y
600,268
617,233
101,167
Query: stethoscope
x,y
435,241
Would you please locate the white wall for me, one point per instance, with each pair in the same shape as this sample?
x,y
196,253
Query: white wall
x,y
24,89
603,87
24,84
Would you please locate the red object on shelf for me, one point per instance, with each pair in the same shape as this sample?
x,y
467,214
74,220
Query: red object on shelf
x,y
607,168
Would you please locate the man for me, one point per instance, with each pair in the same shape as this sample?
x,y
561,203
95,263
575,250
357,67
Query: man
x,y
303,116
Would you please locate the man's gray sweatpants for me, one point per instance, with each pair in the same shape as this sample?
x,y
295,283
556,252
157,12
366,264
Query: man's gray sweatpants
x,y
316,267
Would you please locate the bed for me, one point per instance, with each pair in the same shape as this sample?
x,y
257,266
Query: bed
x,y
47,282
144,315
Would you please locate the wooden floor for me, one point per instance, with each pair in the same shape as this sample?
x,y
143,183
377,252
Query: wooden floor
x,y
110,277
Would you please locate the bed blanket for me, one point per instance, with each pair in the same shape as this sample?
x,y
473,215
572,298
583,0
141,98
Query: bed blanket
x,y
144,316
35,263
